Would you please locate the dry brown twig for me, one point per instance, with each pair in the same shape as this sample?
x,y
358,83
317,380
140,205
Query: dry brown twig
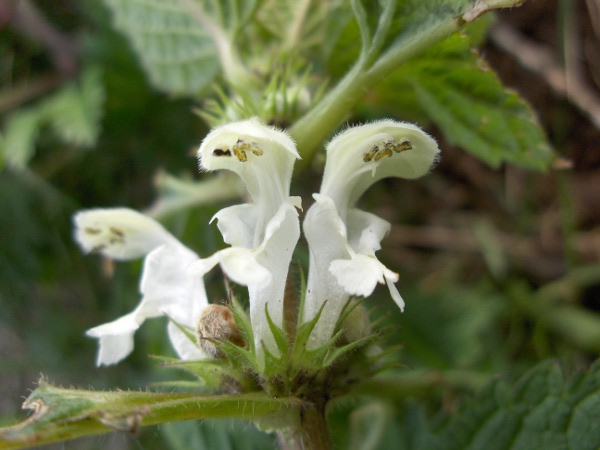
x,y
541,60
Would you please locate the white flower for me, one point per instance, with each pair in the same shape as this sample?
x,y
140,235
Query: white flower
x,y
122,233
342,239
264,233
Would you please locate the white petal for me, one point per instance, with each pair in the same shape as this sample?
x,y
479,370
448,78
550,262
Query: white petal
x,y
275,254
114,348
166,290
365,231
242,266
185,348
394,293
358,157
202,266
358,275
326,235
119,233
237,224
166,284
239,264
116,338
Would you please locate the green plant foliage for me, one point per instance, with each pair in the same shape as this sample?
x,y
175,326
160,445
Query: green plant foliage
x,y
540,411
464,97
463,320
176,50
216,434
60,412
74,113
18,145
153,77
395,25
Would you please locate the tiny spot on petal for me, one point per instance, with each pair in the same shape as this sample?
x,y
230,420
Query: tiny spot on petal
x,y
117,232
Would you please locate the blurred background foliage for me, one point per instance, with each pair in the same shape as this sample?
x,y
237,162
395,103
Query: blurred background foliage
x,y
500,267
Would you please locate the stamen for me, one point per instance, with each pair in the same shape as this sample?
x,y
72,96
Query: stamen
x,y
403,147
385,149
241,147
92,231
255,149
382,154
370,154
221,152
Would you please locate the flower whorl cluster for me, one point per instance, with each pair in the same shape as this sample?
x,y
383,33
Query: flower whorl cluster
x,y
262,234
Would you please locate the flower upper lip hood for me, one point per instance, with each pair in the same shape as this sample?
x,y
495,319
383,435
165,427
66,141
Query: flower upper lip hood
x,y
342,239
119,233
123,233
360,156
264,158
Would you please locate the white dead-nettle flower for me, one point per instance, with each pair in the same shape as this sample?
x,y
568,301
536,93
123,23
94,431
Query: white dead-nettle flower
x,y
263,233
342,239
167,290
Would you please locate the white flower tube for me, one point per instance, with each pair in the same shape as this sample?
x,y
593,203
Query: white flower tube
x,y
122,233
342,239
264,233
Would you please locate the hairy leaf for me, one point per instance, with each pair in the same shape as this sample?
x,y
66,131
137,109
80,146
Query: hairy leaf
x,y
540,411
18,145
465,98
177,51
74,113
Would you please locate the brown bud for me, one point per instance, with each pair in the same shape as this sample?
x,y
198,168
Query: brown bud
x,y
217,322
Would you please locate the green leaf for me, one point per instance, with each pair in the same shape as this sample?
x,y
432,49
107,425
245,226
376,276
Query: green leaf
x,y
539,411
279,335
417,26
465,98
449,328
21,131
75,112
219,434
368,425
61,414
178,53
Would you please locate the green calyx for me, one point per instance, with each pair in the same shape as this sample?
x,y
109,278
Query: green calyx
x,y
313,375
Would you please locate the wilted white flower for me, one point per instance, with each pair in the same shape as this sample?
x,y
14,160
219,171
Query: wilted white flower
x,y
122,234
264,233
342,239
